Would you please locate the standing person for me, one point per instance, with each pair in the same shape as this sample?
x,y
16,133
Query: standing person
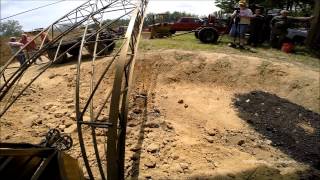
x,y
279,27
15,47
241,23
256,28
44,38
30,48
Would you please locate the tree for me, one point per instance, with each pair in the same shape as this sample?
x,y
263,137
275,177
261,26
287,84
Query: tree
x,y
10,28
226,6
313,39
152,18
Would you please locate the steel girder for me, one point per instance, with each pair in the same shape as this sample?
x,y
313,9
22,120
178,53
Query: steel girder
x,y
111,114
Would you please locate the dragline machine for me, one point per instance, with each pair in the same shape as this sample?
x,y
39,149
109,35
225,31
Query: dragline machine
x,y
106,104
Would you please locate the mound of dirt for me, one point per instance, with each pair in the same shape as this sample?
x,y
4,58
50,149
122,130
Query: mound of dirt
x,y
195,93
189,116
297,83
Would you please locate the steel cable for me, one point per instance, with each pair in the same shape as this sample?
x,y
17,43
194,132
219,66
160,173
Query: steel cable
x,y
32,10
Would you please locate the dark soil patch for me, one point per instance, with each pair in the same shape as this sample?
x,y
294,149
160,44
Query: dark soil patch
x,y
291,128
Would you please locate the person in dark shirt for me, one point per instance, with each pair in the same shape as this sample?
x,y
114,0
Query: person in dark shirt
x,y
256,28
279,27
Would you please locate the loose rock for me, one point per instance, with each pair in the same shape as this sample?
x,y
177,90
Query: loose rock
x,y
152,125
211,132
150,163
51,76
71,129
137,111
70,106
241,142
153,148
51,125
62,126
132,124
175,157
148,177
156,110
169,126
47,106
30,121
39,121
209,139
58,115
73,116
268,142
181,101
184,166
68,122
68,101
101,133
176,168
135,148
29,99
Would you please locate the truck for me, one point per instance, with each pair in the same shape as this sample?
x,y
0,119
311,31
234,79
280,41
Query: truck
x,y
186,24
105,46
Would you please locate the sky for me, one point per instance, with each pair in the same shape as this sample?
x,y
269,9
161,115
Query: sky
x,y
45,16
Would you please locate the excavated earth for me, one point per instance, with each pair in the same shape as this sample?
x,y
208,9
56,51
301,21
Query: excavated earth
x,y
194,115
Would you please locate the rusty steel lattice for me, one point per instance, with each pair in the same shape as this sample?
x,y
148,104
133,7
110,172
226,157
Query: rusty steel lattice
x,y
89,29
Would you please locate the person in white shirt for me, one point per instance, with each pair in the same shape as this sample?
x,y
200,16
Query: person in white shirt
x,y
15,47
241,21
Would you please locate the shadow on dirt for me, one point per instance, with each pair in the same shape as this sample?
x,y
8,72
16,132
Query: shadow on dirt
x,y
137,155
291,128
74,60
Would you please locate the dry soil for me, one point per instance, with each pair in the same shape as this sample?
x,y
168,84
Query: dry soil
x,y
194,115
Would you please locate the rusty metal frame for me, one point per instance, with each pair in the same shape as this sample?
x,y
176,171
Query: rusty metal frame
x,y
9,79
124,71
122,61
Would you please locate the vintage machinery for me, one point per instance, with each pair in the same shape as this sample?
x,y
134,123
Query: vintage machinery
x,y
119,48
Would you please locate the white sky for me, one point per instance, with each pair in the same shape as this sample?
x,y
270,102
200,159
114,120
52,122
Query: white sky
x,y
45,16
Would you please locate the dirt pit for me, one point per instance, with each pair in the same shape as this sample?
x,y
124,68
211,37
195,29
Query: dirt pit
x,y
203,116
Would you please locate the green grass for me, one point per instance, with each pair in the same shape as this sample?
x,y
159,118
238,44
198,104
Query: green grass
x,y
185,42
189,42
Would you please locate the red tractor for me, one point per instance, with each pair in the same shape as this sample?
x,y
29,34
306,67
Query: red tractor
x,y
211,29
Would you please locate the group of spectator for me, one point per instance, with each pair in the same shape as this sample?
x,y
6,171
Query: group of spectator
x,y
28,45
244,20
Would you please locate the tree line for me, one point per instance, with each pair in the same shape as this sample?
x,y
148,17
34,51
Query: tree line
x,y
167,17
13,28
